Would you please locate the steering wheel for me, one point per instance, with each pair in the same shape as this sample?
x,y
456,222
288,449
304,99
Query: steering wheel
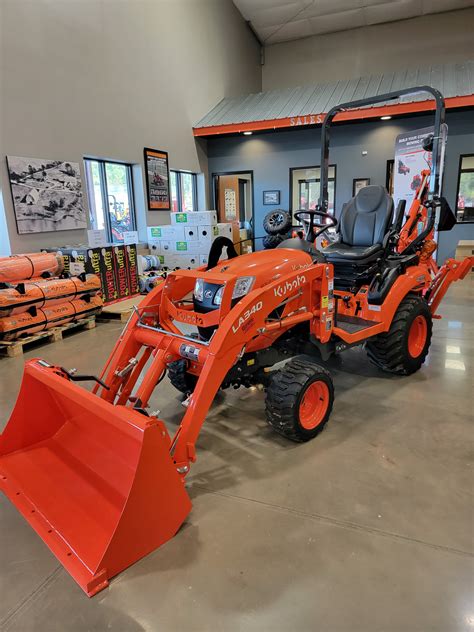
x,y
311,234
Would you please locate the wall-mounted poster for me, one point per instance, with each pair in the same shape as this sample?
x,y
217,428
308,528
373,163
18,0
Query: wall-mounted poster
x,y
230,205
358,184
47,194
271,197
411,159
157,179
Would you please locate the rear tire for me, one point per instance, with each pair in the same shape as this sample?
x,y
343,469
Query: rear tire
x,y
277,222
299,400
403,349
179,377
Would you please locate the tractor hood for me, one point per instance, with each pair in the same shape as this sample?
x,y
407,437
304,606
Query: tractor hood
x,y
266,265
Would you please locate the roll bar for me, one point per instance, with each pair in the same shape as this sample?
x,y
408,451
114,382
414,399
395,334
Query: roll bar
x,y
389,96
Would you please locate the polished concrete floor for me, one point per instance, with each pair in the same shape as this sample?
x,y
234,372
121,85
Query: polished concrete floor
x,y
367,528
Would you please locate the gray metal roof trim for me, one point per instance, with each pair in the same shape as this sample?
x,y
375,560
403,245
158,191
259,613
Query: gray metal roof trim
x,y
453,80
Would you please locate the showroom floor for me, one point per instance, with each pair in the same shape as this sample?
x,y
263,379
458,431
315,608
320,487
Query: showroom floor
x,y
367,528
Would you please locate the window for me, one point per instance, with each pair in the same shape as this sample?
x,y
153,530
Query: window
x,y
465,196
110,191
183,191
305,185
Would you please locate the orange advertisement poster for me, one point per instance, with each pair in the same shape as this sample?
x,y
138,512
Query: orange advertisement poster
x,y
157,179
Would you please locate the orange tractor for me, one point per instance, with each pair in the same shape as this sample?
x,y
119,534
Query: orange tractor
x,y
98,475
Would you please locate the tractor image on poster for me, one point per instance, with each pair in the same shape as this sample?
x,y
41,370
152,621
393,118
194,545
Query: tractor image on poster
x,y
97,474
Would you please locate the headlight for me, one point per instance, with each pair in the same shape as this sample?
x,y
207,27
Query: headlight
x,y
198,289
242,286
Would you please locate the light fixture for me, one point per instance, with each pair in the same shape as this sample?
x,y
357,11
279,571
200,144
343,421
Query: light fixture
x,y
385,118
248,133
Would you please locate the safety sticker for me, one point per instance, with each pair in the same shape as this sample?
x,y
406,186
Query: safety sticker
x,y
324,301
375,308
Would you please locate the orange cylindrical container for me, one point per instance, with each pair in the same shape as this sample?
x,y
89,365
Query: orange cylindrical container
x,y
26,323
45,292
35,264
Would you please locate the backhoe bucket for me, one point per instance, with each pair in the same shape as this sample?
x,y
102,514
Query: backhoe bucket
x,y
95,481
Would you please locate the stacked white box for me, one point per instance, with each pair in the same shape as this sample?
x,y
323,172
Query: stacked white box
x,y
194,219
155,246
170,232
182,243
208,233
224,229
191,233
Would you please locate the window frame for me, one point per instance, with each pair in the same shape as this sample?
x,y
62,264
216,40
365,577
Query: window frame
x,y
460,172
179,190
334,166
102,162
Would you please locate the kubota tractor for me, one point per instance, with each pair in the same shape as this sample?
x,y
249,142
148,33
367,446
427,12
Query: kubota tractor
x,y
97,474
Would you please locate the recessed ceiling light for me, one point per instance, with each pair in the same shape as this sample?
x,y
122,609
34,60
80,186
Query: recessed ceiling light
x,y
385,118
248,133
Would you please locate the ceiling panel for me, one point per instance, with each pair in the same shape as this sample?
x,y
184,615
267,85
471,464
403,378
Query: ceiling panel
x,y
285,20
332,22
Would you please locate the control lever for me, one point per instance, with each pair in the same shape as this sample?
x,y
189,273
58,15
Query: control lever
x,y
71,374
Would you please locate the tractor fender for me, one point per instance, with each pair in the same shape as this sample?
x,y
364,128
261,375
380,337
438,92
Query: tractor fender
x,y
416,279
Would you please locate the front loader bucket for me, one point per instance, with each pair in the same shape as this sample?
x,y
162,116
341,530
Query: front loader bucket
x,y
95,481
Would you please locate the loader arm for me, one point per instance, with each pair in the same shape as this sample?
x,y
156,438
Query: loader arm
x,y
152,336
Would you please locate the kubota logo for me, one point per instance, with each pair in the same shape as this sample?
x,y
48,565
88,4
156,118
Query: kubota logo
x,y
300,266
188,317
289,286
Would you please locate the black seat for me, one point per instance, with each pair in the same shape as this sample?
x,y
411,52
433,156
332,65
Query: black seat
x,y
363,224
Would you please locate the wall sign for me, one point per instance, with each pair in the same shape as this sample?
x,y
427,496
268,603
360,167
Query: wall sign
x,y
271,197
157,179
97,238
47,194
130,237
358,184
230,205
411,159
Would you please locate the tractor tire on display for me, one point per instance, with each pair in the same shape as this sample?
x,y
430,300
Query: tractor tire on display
x,y
299,399
272,241
180,378
277,222
404,348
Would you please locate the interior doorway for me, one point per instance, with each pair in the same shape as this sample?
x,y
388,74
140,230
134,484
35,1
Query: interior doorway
x,y
233,201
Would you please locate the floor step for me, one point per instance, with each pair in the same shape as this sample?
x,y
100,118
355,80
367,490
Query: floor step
x,y
353,324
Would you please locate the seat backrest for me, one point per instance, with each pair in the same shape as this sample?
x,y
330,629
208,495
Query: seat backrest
x,y
365,219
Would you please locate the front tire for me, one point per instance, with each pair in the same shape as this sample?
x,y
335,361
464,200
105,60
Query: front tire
x,y
403,349
179,377
299,400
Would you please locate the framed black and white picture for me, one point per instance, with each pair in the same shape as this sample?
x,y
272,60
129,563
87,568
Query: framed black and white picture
x,y
271,197
157,176
358,184
47,194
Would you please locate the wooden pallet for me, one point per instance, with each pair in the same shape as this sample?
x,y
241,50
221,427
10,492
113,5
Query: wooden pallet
x,y
14,348
121,310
